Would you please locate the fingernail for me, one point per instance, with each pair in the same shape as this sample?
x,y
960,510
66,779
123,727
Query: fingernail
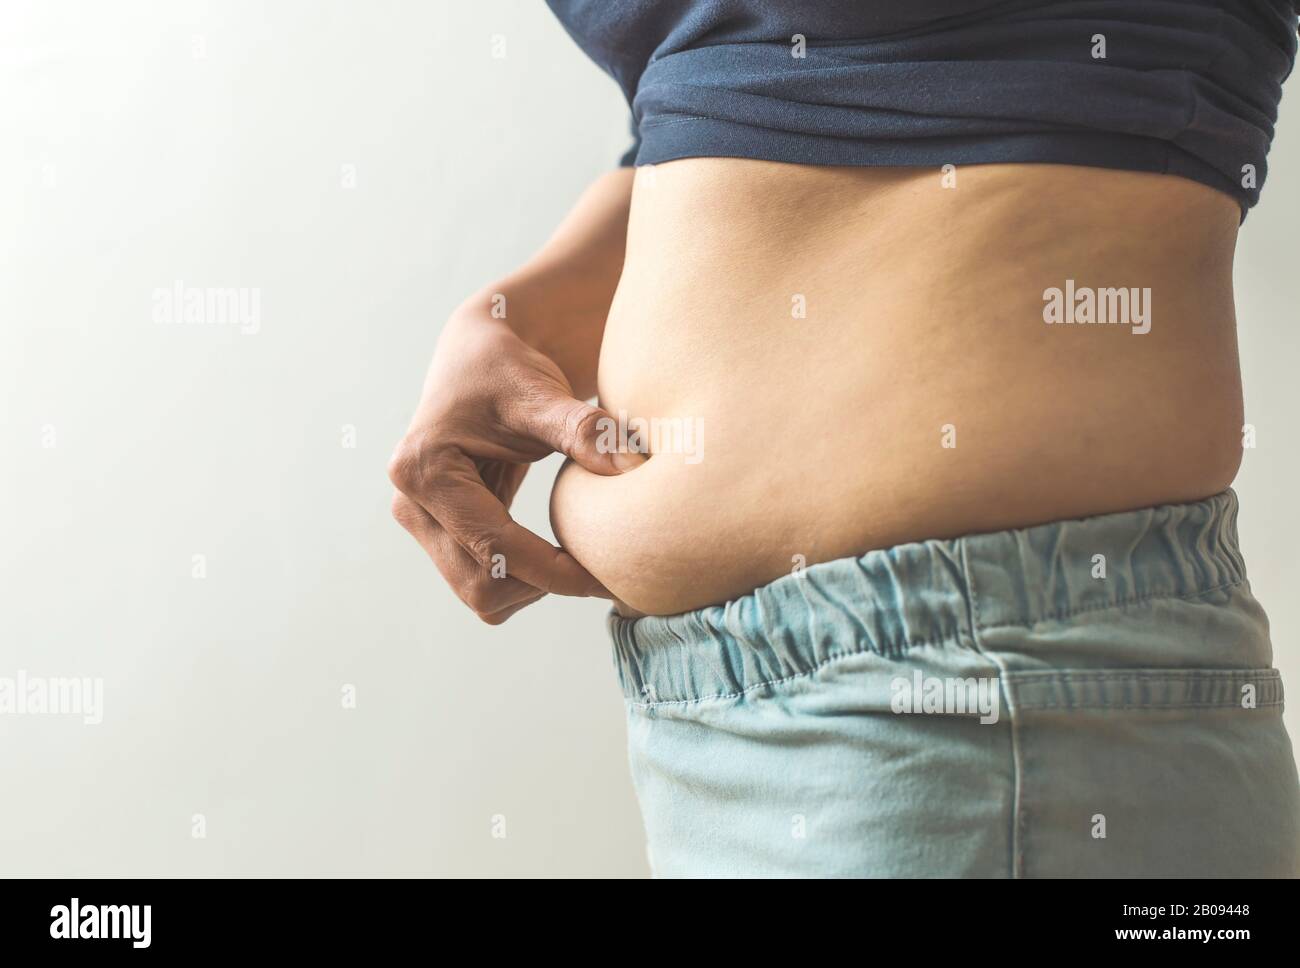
x,y
626,460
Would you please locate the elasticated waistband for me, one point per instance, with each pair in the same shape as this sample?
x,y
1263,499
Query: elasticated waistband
x,y
930,592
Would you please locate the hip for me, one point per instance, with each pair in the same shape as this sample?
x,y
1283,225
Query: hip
x,y
1086,698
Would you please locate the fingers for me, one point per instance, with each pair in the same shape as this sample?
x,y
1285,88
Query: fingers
x,y
447,485
502,478
578,430
497,618
493,599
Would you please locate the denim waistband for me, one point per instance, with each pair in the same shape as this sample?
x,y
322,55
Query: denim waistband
x,y
929,592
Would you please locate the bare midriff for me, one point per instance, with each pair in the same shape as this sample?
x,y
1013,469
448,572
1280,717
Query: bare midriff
x,y
829,361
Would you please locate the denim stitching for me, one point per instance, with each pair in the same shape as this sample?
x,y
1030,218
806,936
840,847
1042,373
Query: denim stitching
x,y
1018,821
1155,706
834,657
1123,603
1267,674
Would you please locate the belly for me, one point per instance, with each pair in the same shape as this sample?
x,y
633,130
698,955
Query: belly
x,y
824,361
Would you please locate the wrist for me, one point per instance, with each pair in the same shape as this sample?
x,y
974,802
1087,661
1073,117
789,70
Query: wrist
x,y
546,317
494,306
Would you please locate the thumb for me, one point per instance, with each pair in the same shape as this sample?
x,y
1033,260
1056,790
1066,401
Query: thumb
x,y
587,434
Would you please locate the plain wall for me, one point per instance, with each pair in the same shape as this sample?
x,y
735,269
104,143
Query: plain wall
x,y
363,165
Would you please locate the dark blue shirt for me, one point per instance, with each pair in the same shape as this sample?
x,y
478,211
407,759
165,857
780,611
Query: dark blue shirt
x,y
1188,87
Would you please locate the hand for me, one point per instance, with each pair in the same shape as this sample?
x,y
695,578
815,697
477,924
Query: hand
x,y
491,405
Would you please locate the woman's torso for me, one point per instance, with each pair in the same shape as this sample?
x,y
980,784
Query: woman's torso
x,y
844,359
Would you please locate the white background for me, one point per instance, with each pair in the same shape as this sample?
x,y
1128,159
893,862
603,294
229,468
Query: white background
x,y
147,142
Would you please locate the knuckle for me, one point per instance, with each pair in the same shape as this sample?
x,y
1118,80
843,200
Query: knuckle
x,y
403,510
554,576
580,425
479,597
406,464
416,465
484,545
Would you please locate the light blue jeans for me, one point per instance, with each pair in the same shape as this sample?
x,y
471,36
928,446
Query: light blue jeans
x,y
1085,698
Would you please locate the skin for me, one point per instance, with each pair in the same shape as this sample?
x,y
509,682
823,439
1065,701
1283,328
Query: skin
x,y
823,433
503,392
